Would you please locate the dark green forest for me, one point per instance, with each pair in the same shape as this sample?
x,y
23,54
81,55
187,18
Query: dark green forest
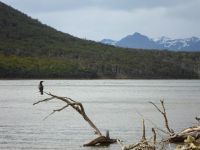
x,y
30,49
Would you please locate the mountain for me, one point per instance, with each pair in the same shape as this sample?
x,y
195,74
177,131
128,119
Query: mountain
x,y
30,49
138,40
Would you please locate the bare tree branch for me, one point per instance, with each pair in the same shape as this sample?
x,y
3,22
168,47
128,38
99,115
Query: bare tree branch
x,y
163,112
154,136
60,109
156,107
44,100
48,115
77,106
143,131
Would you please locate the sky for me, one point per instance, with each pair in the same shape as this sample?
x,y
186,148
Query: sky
x,y
115,19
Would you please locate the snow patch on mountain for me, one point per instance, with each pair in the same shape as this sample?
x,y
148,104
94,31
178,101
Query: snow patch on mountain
x,y
108,42
138,40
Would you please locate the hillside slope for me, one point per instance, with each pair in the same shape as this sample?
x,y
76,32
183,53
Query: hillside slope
x,y
30,49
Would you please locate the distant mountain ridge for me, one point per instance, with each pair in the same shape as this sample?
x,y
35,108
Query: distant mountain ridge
x,y
138,40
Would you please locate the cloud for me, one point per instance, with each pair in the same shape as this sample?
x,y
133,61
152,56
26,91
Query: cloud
x,y
98,19
58,5
94,23
189,11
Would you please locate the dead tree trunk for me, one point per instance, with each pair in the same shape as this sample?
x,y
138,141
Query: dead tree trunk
x,y
77,106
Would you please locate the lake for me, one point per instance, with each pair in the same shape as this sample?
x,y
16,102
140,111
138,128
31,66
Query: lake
x,y
114,105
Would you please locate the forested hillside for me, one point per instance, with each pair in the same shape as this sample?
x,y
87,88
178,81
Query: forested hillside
x,y
30,49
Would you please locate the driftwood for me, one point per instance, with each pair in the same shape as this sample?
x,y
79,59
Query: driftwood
x,y
144,144
189,137
189,144
77,106
179,137
101,141
191,134
183,135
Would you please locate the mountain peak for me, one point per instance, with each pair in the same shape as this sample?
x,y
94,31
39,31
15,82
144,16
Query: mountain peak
x,y
136,34
136,40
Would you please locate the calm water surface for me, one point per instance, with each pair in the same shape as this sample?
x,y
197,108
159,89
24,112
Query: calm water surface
x,y
115,105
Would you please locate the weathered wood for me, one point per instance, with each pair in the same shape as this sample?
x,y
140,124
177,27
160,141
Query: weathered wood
x,y
101,141
143,131
181,136
77,106
189,144
163,112
154,136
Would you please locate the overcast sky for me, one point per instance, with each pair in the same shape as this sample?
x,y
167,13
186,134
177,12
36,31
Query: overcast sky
x,y
98,19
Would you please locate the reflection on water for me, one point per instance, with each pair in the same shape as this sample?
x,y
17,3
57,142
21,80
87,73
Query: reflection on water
x,y
111,104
